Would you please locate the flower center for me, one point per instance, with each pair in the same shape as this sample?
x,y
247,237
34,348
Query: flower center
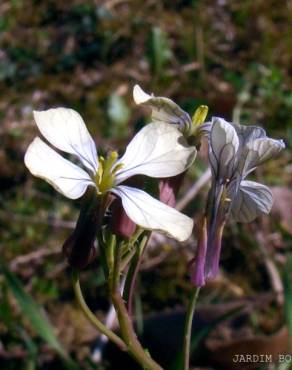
x,y
107,169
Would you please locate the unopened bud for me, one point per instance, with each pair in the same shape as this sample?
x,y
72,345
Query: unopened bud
x,y
120,224
168,189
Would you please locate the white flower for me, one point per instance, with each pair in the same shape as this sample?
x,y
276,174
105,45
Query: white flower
x,y
158,150
163,109
235,151
167,111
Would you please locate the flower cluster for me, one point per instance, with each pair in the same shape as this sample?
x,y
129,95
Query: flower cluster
x,y
162,149
117,213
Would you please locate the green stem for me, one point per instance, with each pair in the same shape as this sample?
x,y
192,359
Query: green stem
x,y
134,347
117,266
133,272
127,258
110,254
129,336
188,328
131,343
91,317
130,248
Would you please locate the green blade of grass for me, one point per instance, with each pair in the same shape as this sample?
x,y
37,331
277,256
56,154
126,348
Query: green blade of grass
x,y
159,50
35,315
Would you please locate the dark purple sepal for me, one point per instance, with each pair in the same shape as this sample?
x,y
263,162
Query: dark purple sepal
x,y
79,248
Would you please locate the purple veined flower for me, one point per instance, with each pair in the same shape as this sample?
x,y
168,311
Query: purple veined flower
x,y
234,152
158,150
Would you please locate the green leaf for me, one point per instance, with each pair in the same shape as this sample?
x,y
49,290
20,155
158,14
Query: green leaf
x,y
119,114
35,315
159,50
5,309
32,349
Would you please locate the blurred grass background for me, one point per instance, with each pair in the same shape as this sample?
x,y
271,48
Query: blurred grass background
x,y
234,56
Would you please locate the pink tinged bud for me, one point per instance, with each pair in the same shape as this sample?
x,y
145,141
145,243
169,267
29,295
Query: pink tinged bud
x,y
214,252
168,189
79,247
121,224
198,264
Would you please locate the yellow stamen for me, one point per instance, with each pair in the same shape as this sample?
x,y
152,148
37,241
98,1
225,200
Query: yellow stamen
x,y
117,168
105,177
199,116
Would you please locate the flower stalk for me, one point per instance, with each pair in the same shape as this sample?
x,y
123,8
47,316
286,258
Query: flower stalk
x,y
90,315
129,336
131,280
188,328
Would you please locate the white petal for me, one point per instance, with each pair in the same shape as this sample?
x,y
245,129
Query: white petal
x,y
139,95
260,151
149,213
252,200
65,129
249,133
64,176
246,135
224,144
163,109
158,150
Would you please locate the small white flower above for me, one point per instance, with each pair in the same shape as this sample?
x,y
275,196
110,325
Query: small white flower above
x,y
158,150
163,109
167,111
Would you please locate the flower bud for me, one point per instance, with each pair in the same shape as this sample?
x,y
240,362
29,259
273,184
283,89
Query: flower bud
x,y
121,224
168,189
